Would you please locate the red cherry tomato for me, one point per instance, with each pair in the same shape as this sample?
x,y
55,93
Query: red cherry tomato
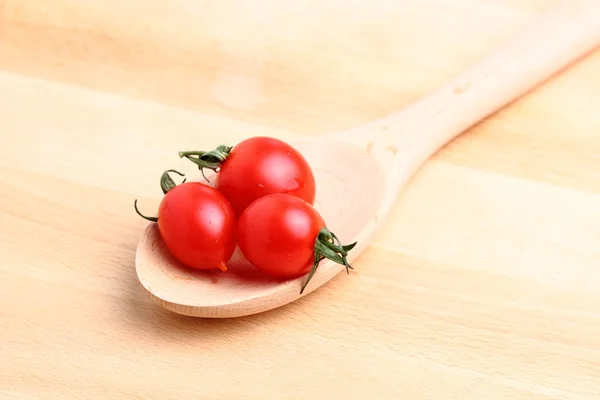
x,y
257,167
198,225
285,237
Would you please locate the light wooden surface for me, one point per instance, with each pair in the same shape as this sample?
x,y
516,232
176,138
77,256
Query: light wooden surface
x,y
483,284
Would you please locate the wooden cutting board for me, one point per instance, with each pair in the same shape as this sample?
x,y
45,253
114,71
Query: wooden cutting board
x,y
483,284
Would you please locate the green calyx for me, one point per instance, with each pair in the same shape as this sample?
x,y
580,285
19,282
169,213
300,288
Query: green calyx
x,y
328,246
208,159
166,184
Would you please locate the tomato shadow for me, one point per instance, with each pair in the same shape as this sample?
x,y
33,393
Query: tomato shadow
x,y
241,268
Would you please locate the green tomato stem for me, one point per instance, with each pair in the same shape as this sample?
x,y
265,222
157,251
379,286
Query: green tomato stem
x,y
208,159
151,219
327,245
166,184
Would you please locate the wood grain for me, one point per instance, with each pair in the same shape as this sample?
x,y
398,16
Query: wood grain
x,y
482,284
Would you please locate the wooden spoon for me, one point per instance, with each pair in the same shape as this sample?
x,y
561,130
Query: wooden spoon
x,y
360,172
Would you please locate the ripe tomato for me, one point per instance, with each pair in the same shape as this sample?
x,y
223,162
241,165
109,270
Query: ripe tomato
x,y
197,224
257,167
285,237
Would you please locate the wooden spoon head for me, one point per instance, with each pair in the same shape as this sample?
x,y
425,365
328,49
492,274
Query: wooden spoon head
x,y
350,191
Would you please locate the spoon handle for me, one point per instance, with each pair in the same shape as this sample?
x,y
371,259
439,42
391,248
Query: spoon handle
x,y
412,135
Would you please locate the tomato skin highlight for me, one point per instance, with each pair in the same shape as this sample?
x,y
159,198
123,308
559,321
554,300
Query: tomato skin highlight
x,y
198,226
277,234
261,166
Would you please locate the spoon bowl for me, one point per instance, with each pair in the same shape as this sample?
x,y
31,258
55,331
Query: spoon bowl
x,y
359,172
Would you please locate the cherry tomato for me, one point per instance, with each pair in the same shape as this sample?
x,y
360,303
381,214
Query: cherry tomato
x,y
257,167
285,237
198,225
